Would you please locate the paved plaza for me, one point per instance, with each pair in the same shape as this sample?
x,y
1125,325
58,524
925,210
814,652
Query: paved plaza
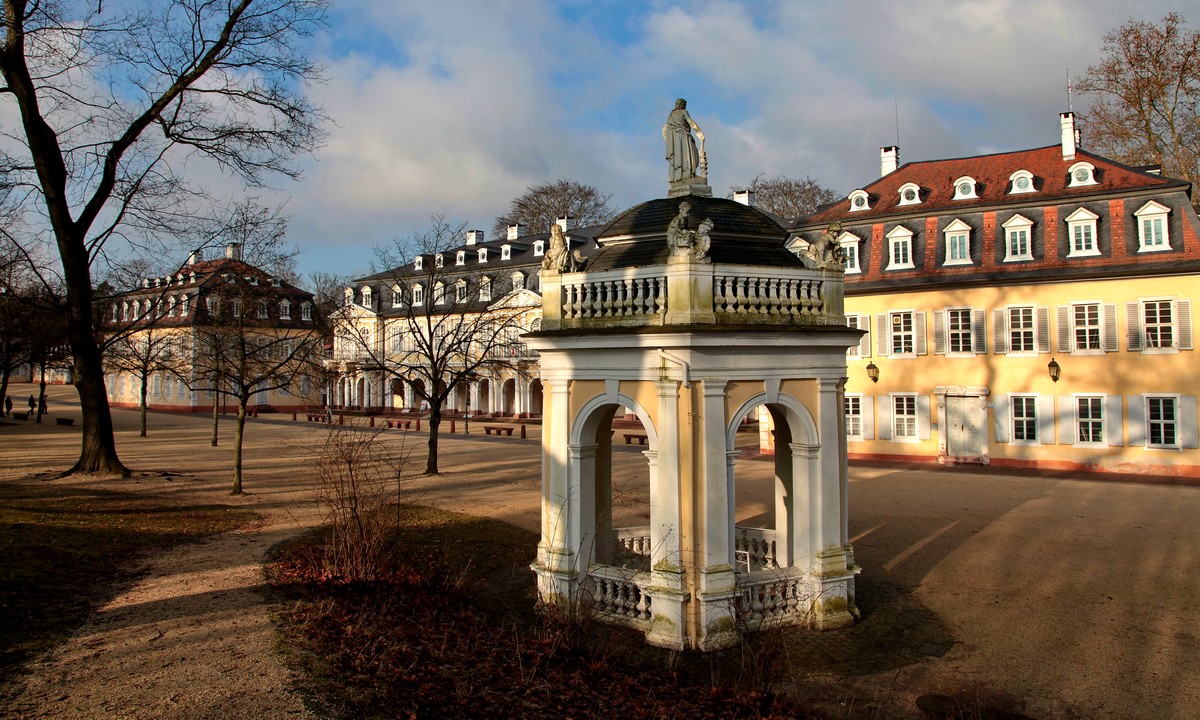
x,y
1062,597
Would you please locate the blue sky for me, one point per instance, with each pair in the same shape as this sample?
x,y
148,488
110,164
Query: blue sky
x,y
456,107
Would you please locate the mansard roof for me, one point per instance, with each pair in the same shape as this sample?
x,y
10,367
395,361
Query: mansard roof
x,y
992,174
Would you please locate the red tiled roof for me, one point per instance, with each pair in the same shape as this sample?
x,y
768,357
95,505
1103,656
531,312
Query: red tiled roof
x,y
991,174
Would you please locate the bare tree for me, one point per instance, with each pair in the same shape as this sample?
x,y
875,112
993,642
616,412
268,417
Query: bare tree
x,y
443,325
152,351
541,205
788,197
1144,96
244,348
113,101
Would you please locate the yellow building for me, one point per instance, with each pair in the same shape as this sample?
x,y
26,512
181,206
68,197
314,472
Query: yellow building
x,y
1028,309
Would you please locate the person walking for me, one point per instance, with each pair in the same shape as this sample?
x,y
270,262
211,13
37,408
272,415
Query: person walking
x,y
42,409
32,404
7,405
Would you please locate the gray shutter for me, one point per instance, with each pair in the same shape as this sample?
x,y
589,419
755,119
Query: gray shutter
x,y
1064,328
1043,329
1133,325
885,418
881,335
919,332
923,419
1189,433
979,331
1067,432
1137,420
1114,431
1110,328
864,344
1183,323
868,417
1045,419
1000,332
1000,418
939,332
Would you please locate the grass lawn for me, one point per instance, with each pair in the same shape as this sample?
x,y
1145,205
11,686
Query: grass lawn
x,y
66,550
452,634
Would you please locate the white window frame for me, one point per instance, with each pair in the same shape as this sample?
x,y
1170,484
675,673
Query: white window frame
x,y
964,188
397,296
1082,221
1078,419
896,318
1181,325
915,417
460,291
1032,330
460,258
1027,400
904,237
1073,181
1171,326
1074,327
285,309
1020,175
506,252
366,296
518,281
306,311
853,420
1154,228
483,255
1176,425
418,263
485,288
906,190
958,229
418,295
539,248
1015,224
439,261
863,348
439,293
854,198
972,332
851,244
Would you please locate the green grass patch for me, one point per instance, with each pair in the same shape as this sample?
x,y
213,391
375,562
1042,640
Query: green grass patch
x,y
67,550
451,633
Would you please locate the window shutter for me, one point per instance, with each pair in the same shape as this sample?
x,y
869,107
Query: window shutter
x,y
1183,324
864,344
919,332
939,332
1000,418
1045,419
1043,329
923,430
1114,431
1067,433
1110,328
1064,328
1000,332
868,417
1189,433
1133,326
979,330
885,418
1137,420
881,334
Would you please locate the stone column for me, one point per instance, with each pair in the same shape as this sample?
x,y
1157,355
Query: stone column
x,y
717,582
833,605
667,577
557,564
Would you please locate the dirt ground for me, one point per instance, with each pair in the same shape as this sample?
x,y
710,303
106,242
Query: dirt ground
x,y
1061,598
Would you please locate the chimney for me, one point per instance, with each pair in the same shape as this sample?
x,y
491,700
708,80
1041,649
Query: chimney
x,y
566,222
889,159
233,251
474,236
516,230
195,257
1066,123
745,197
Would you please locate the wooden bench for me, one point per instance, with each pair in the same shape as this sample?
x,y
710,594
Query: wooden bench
x,y
66,422
630,437
400,423
506,429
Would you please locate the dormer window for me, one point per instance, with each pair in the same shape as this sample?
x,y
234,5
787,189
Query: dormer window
x,y
125,310
439,294
366,297
910,194
1020,182
306,311
1018,238
518,281
1081,173
461,258
438,261
261,310
850,250
418,294
184,301
539,248
485,288
958,243
285,310
418,263
116,313
506,252
460,291
397,296
349,296
964,188
482,255
900,254
1153,231
1081,230
859,200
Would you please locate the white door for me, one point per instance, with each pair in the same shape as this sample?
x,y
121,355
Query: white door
x,y
964,428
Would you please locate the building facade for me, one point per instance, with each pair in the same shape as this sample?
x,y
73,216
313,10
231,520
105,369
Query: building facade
x,y
1027,309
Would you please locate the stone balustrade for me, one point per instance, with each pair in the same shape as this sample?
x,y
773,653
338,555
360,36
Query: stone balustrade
x,y
787,297
773,597
755,547
619,595
615,297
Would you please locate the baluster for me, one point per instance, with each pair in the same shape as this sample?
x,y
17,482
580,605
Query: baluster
x,y
623,296
792,303
819,297
660,295
739,295
643,605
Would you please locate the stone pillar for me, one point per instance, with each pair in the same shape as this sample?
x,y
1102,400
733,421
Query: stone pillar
x,y
833,573
408,396
717,582
557,564
668,588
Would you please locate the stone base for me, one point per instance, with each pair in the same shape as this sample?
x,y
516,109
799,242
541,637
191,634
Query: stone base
x,y
691,186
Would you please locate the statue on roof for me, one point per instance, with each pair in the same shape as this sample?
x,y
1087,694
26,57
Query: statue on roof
x,y
684,160
557,258
825,253
685,241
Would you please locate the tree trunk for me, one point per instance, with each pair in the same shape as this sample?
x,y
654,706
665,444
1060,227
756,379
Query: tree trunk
x,y
435,419
4,390
145,381
237,446
41,394
216,407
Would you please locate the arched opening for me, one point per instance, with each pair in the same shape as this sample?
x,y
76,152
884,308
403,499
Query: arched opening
x,y
396,399
483,405
460,398
535,398
419,402
360,393
508,403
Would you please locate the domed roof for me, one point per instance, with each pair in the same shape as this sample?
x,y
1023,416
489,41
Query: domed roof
x,y
740,234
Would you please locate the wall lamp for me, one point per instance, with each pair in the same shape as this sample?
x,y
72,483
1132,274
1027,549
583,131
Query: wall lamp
x,y
873,372
1054,369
